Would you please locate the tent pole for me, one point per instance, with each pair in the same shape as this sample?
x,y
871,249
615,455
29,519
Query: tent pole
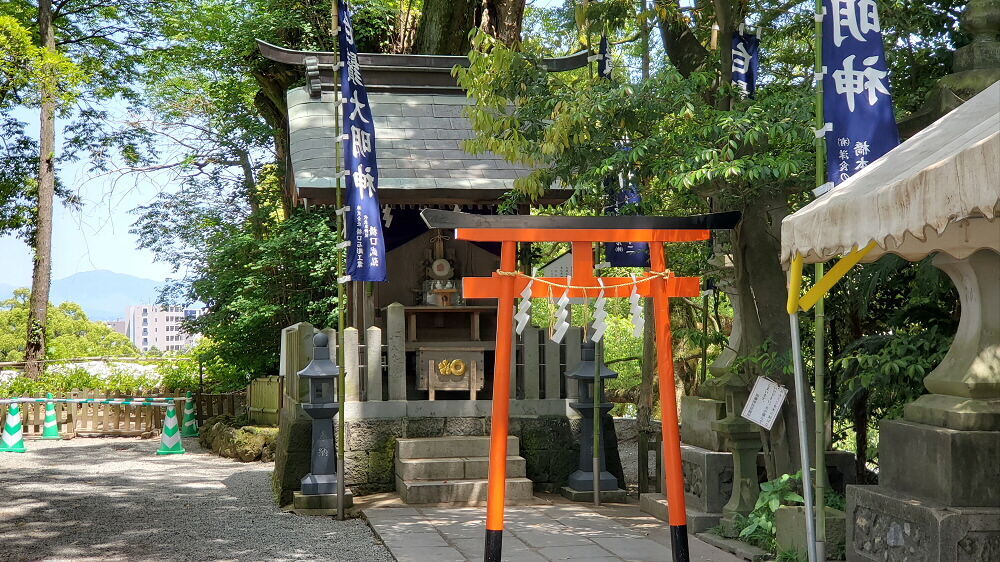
x,y
794,287
800,397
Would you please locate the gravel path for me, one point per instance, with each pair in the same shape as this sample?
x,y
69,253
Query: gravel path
x,y
113,499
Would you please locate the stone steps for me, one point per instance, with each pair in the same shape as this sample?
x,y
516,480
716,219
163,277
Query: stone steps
x,y
451,468
449,447
454,470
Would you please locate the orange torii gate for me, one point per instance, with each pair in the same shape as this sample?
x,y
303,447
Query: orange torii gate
x,y
658,283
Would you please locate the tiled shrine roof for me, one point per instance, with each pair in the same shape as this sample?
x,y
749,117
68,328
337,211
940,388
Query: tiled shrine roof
x,y
419,127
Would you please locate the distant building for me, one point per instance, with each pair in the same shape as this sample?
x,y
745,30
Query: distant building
x,y
156,326
120,326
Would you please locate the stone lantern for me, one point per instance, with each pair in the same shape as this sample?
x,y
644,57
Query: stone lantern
x,y
581,482
319,487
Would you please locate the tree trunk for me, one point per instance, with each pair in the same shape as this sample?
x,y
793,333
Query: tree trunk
x,y
273,107
686,53
250,185
502,19
763,319
41,275
444,27
647,393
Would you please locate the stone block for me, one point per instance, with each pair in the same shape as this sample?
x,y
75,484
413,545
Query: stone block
x,y
540,408
697,415
947,466
423,427
697,521
355,467
372,434
790,524
444,447
708,478
740,549
320,504
543,433
607,496
448,408
431,469
479,467
389,409
459,492
291,453
626,429
841,470
380,468
885,525
464,426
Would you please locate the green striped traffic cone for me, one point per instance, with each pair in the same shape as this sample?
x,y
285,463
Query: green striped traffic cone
x,y
12,440
170,439
189,428
51,429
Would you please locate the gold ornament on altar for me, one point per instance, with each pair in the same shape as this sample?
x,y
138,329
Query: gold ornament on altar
x,y
454,367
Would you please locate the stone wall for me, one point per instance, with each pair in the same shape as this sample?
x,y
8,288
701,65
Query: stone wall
x,y
547,443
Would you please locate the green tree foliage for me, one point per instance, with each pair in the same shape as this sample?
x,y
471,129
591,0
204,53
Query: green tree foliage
x,y
695,144
253,284
24,67
71,334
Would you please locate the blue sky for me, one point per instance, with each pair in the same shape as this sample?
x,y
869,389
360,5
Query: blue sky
x,y
95,236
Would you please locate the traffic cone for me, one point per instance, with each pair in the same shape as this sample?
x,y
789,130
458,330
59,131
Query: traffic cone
x,y
189,428
51,429
170,439
12,440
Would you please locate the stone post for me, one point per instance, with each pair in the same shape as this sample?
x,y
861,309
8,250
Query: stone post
x,y
574,341
293,444
373,363
529,343
396,339
553,370
743,441
352,366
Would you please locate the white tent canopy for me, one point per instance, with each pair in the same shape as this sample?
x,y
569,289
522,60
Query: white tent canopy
x,y
938,191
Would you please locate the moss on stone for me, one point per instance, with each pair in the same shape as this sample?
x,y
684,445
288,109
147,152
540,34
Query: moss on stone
x,y
224,436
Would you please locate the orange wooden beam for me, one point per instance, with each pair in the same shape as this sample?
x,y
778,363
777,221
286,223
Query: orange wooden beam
x,y
492,287
578,235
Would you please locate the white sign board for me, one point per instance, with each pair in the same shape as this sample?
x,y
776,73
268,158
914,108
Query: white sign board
x,y
765,402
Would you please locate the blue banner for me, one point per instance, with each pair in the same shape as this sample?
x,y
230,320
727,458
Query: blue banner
x,y
746,62
622,195
366,253
857,104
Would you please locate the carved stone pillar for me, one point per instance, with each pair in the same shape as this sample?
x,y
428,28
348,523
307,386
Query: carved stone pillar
x,y
965,387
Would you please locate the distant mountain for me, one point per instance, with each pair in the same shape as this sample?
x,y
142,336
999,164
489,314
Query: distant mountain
x,y
103,294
